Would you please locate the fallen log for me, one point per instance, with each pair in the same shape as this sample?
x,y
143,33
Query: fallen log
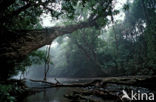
x,y
143,81
67,85
42,81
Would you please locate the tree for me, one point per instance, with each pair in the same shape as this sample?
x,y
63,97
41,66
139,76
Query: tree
x,y
16,43
47,62
87,40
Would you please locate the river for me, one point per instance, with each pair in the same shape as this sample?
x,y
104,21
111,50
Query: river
x,y
57,94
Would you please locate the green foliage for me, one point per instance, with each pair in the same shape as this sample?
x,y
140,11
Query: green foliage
x,y
5,93
102,21
25,14
26,19
126,7
126,48
150,37
131,52
36,57
9,92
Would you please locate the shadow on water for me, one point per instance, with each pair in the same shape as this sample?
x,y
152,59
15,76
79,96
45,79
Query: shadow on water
x,y
51,95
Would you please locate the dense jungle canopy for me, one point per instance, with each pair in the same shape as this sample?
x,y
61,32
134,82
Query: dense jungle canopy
x,y
130,44
20,18
90,40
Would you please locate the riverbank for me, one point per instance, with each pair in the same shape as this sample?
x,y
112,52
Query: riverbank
x,y
97,90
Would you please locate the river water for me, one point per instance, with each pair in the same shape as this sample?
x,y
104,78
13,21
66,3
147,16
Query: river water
x,y
57,94
51,95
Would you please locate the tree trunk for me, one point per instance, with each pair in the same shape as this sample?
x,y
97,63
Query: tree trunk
x,y
47,63
15,45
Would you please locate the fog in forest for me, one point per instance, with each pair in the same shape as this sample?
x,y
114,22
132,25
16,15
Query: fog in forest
x,y
116,49
77,50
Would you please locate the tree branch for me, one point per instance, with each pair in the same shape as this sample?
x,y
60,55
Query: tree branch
x,y
28,5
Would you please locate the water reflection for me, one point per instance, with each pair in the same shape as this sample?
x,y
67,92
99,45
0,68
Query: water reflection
x,y
57,94
51,95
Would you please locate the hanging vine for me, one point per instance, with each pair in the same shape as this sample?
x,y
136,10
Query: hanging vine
x,y
47,62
